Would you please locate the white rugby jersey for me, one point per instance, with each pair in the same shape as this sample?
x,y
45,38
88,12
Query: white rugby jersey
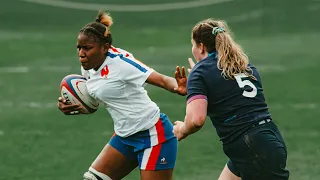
x,y
118,83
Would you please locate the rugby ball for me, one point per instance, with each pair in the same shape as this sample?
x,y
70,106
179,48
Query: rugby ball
x,y
74,89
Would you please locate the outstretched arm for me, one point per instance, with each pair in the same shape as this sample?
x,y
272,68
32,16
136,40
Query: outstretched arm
x,y
174,85
163,81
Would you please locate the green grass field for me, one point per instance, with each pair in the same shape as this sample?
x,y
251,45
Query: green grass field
x,y
38,48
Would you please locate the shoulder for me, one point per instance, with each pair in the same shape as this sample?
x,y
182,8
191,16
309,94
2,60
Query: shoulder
x,y
126,62
202,68
254,71
196,72
196,75
118,52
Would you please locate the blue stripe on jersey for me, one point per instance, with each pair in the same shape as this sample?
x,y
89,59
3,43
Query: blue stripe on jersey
x,y
138,66
230,118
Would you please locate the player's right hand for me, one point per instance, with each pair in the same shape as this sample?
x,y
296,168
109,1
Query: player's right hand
x,y
181,78
69,109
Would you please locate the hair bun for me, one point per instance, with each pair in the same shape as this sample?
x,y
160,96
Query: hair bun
x,y
104,18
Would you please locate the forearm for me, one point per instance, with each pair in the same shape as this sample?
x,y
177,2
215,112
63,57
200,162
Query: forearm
x,y
170,84
189,126
162,81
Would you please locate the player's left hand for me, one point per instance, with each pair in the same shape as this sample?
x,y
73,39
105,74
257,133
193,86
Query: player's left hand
x,y
181,79
177,130
69,109
191,63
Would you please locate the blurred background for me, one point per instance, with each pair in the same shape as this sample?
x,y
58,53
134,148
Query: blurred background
x,y
38,48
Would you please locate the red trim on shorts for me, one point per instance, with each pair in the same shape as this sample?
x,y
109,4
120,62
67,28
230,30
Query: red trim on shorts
x,y
160,131
154,156
113,135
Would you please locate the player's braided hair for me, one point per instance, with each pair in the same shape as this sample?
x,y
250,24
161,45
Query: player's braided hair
x,y
100,29
216,36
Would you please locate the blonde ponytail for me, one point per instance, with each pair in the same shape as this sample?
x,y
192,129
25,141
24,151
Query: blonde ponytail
x,y
105,19
231,58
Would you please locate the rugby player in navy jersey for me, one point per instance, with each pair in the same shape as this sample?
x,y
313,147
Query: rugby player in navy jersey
x,y
225,87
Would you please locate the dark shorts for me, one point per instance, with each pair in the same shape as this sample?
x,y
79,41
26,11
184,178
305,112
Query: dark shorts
x,y
260,153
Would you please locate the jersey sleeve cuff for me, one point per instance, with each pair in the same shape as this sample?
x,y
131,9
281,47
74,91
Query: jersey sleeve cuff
x,y
146,75
199,96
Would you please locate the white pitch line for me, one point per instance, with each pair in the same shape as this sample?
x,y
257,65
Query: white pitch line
x,y
19,69
48,69
245,16
157,67
31,105
128,8
313,7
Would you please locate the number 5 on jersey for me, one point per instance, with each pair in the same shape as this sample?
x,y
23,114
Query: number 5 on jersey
x,y
242,83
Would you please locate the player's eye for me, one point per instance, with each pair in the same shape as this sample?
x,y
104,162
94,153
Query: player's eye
x,y
87,48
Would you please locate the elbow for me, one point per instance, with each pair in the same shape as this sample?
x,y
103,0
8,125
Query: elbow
x,y
199,121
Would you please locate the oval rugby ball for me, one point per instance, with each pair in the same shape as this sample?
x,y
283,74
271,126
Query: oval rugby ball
x,y
74,89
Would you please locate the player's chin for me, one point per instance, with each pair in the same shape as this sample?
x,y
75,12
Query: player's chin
x,y
86,66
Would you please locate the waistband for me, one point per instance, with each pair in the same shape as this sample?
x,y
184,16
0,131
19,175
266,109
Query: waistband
x,y
262,122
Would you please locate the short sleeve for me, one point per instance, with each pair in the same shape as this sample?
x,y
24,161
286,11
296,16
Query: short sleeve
x,y
134,71
196,86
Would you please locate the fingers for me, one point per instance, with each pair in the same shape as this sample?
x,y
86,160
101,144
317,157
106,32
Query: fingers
x,y
183,72
60,99
178,72
73,113
68,107
63,100
176,132
191,63
176,75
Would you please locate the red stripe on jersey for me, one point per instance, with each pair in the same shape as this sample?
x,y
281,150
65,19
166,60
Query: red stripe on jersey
x,y
160,132
114,49
154,156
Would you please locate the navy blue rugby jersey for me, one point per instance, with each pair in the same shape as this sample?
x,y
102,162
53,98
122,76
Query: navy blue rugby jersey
x,y
233,105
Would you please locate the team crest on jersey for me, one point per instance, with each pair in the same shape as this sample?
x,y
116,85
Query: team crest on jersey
x,y
104,72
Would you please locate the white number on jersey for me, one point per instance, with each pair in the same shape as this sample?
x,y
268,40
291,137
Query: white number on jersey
x,y
239,77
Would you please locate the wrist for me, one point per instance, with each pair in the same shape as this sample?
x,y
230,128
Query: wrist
x,y
184,130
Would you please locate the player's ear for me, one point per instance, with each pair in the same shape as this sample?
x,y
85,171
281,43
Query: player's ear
x,y
106,47
202,48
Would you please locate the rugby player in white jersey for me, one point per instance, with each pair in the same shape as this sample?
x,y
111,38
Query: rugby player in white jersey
x,y
143,136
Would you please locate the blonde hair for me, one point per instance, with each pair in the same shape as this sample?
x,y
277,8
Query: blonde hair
x,y
105,19
231,58
100,28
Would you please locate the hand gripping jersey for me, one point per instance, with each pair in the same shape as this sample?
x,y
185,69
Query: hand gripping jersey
x,y
118,83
